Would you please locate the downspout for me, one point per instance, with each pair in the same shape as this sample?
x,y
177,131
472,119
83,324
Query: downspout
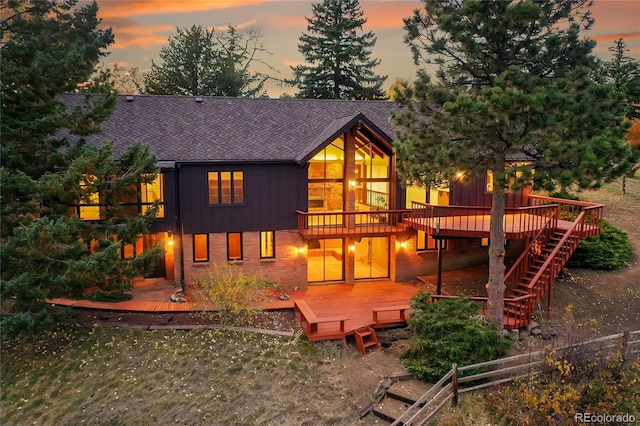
x,y
178,218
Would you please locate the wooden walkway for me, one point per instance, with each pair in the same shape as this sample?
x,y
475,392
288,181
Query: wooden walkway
x,y
356,302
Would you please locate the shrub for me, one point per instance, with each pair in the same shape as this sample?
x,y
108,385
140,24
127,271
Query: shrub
x,y
449,331
607,251
25,321
553,398
110,296
234,294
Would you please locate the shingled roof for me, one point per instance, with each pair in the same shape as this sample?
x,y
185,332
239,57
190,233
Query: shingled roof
x,y
217,129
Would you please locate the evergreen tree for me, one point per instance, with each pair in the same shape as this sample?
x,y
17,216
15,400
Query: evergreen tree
x,y
340,60
624,73
514,78
51,47
199,61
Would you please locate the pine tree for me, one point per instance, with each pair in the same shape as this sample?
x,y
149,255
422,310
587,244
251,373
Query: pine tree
x,y
49,48
624,72
199,61
514,78
340,60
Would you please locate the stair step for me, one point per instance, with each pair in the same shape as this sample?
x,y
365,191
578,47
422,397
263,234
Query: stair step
x,y
366,337
390,409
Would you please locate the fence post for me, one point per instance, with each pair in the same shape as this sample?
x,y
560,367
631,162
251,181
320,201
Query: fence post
x,y
454,383
623,346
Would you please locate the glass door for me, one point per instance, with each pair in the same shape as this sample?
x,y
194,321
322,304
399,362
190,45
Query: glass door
x,y
325,261
372,258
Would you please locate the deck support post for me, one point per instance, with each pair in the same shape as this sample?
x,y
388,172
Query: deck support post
x,y
549,300
439,280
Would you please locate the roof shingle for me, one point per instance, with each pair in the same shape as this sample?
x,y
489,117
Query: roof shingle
x,y
177,128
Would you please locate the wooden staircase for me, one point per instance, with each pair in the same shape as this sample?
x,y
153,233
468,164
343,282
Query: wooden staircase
x,y
366,337
532,275
545,254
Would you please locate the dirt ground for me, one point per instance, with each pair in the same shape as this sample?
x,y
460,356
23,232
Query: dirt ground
x,y
612,299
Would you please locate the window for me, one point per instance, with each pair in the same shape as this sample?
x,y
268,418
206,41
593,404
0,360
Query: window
x,y
267,245
89,205
129,251
226,187
152,192
486,242
200,247
489,186
234,246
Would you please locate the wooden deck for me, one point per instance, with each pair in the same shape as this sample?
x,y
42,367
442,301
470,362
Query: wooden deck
x,y
357,302
516,226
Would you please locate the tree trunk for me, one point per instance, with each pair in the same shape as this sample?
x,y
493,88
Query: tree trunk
x,y
495,286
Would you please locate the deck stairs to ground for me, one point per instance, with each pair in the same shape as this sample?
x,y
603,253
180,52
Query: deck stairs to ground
x,y
366,337
546,252
532,275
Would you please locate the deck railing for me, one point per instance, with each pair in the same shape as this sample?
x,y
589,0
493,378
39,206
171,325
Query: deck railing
x,y
515,308
542,281
340,224
469,220
531,249
569,211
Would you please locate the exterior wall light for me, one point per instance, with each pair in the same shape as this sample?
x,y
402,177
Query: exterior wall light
x,y
170,239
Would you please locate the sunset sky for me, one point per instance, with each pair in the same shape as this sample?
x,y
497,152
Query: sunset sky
x,y
142,27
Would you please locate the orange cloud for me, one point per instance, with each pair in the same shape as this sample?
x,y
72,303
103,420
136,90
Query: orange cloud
x,y
385,15
156,7
611,37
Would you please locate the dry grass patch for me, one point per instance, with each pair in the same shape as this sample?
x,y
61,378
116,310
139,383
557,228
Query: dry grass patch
x,y
103,375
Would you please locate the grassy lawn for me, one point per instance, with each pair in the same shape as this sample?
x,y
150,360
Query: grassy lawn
x,y
102,375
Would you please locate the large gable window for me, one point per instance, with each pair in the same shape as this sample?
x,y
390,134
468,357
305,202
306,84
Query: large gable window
x,y
226,187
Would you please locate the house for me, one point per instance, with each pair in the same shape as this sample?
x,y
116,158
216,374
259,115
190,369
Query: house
x,y
299,192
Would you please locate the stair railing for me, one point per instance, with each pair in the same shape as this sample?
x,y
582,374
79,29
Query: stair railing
x,y
543,279
521,265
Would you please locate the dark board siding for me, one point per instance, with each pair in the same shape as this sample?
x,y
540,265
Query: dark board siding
x,y
272,192
168,223
472,193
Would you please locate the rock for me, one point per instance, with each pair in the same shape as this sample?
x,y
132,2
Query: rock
x,y
388,336
532,325
284,296
536,331
515,334
546,336
177,297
